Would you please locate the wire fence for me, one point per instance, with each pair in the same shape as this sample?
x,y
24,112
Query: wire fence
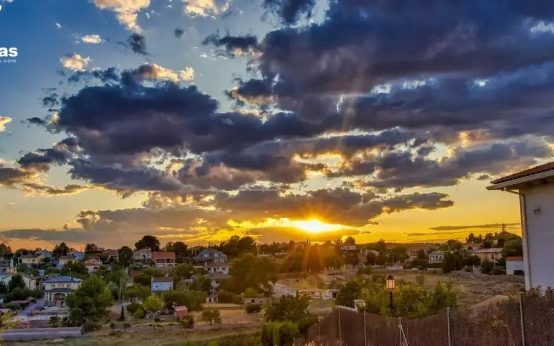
x,y
523,321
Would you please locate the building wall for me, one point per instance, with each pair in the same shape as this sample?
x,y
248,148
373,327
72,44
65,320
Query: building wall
x,y
161,286
540,235
512,266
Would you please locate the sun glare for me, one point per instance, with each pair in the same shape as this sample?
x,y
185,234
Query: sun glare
x,y
314,226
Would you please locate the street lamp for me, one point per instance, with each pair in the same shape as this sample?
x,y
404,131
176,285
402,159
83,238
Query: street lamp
x,y
390,284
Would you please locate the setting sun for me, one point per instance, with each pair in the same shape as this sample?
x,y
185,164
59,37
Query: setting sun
x,y
315,226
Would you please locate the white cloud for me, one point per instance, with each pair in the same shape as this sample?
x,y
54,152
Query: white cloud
x,y
92,39
3,122
125,10
543,27
75,62
159,73
204,8
58,25
187,74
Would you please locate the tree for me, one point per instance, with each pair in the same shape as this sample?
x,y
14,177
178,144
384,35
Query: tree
x,y
153,304
183,271
512,248
90,302
486,266
4,250
15,282
289,308
180,249
293,309
348,293
452,261
148,241
91,249
60,250
125,256
251,271
192,299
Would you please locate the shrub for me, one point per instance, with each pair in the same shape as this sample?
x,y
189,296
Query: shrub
x,y
253,308
279,333
88,327
139,313
133,307
187,322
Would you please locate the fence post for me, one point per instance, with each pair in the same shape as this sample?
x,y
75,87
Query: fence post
x,y
522,318
449,326
365,331
340,329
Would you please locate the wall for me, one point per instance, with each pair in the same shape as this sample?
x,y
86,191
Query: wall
x,y
540,235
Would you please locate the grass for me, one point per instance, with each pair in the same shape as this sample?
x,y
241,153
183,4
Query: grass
x,y
171,337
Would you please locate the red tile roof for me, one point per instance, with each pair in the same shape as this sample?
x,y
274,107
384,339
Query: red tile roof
x,y
534,170
163,255
514,258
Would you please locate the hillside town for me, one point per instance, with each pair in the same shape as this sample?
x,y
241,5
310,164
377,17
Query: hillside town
x,y
176,283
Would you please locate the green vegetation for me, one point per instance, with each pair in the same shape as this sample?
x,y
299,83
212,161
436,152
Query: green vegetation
x,y
409,299
90,302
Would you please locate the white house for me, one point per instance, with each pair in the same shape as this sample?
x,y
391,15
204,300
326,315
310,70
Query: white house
x,y
92,264
514,265
162,284
57,288
436,257
142,255
210,256
492,254
31,282
535,188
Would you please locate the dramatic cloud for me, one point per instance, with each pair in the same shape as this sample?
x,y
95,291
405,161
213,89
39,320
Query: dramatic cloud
x,y
92,39
204,8
75,62
234,45
496,226
125,10
137,44
3,122
290,10
154,72
178,32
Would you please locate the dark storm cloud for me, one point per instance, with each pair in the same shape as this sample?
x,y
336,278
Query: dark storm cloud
x,y
137,44
403,169
464,227
336,206
362,44
178,32
233,45
290,10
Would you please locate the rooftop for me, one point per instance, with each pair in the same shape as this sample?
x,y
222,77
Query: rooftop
x,y
162,279
514,258
163,255
540,172
61,279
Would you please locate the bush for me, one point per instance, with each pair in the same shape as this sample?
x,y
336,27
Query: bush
x,y
228,297
139,313
253,308
187,322
497,271
211,316
133,307
279,333
88,327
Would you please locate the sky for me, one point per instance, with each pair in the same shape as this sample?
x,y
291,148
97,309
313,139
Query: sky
x,y
195,120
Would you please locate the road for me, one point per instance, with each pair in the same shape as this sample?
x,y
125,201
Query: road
x,y
39,333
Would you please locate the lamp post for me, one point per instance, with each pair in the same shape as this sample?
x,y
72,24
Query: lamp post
x,y
390,284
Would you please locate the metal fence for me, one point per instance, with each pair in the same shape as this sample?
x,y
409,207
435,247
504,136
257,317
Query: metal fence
x,y
498,323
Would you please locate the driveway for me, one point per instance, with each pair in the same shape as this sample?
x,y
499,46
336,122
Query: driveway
x,y
39,333
34,306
